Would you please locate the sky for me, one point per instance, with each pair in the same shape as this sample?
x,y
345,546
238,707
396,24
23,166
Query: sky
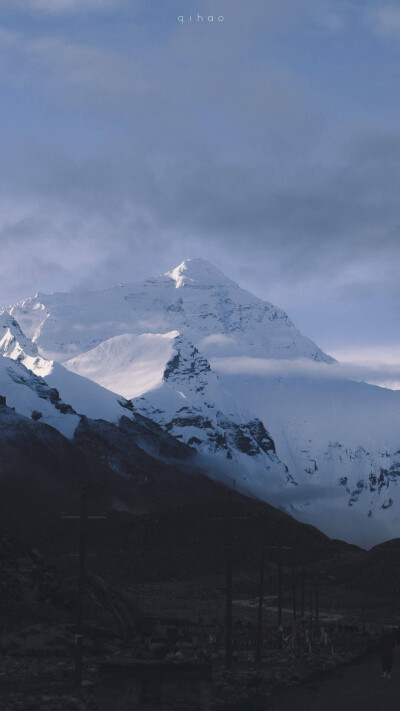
x,y
267,142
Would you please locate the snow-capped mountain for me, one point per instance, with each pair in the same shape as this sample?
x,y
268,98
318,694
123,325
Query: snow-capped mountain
x,y
30,379
195,299
182,394
31,396
13,342
189,349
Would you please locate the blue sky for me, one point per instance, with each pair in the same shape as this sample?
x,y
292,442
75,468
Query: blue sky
x,y
268,143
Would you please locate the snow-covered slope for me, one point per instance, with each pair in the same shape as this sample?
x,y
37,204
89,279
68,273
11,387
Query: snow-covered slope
x,y
195,299
13,342
31,396
340,440
326,449
127,364
192,405
83,395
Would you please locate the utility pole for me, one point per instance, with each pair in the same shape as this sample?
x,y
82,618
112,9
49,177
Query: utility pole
x,y
311,604
228,608
294,594
81,592
280,548
280,587
317,602
83,519
228,603
260,610
303,586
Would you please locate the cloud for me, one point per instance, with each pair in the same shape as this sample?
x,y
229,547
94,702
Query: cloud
x,y
385,20
163,143
57,6
373,370
355,527
368,355
304,494
72,70
218,340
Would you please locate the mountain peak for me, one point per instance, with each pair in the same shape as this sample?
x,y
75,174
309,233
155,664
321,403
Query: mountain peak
x,y
198,272
13,342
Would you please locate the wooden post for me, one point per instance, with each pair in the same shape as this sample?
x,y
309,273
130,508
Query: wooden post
x,y
228,613
280,630
317,603
83,519
311,605
294,594
280,588
303,586
260,610
81,593
280,549
228,604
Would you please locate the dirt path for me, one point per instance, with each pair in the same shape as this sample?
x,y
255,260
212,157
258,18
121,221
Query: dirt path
x,y
359,687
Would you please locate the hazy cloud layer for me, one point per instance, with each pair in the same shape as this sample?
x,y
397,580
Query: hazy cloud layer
x,y
385,19
57,6
374,371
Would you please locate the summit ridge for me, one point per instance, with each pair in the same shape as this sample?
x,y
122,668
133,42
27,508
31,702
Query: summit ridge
x,y
198,272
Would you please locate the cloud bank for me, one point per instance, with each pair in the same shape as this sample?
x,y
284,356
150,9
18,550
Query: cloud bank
x,y
375,372
61,6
